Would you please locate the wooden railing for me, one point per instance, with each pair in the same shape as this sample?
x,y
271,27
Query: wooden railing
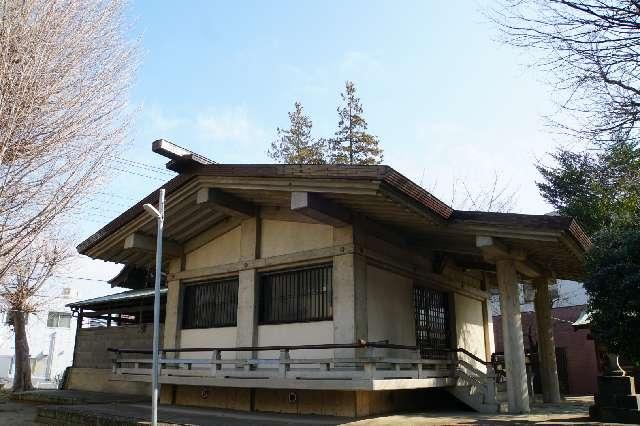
x,y
366,365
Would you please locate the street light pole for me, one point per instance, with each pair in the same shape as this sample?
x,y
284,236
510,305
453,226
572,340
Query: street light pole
x,y
159,215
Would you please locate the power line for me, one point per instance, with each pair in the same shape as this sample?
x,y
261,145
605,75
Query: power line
x,y
139,174
117,195
79,278
144,166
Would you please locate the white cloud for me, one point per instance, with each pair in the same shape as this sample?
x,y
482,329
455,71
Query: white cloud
x,y
230,124
159,121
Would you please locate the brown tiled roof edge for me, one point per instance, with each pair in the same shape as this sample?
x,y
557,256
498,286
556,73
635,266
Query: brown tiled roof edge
x,y
416,192
563,223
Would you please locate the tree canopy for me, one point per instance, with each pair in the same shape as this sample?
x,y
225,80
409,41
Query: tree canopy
x,y
613,285
352,144
597,187
295,145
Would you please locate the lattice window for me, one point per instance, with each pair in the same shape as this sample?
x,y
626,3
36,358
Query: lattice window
x,y
211,304
296,295
433,335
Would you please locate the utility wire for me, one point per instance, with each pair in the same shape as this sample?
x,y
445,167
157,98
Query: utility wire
x,y
79,278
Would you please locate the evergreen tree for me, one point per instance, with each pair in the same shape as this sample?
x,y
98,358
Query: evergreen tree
x,y
613,286
600,188
351,143
295,145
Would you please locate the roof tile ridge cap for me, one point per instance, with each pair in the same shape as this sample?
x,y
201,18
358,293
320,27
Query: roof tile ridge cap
x,y
448,210
579,234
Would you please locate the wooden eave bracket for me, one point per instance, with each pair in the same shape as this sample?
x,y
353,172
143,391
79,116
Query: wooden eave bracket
x,y
493,250
147,243
225,203
318,208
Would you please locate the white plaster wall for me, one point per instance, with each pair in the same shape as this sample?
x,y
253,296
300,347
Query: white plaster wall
x,y
300,333
207,337
390,309
280,237
469,325
222,250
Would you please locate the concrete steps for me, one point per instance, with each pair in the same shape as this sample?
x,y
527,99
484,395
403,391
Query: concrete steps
x,y
475,399
472,391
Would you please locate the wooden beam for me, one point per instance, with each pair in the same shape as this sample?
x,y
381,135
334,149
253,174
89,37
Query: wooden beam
x,y
529,269
493,250
316,207
265,263
147,243
225,203
283,213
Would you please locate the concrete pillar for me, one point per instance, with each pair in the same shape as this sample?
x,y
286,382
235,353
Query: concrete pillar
x,y
350,320
487,319
517,391
546,345
247,328
171,333
247,316
173,309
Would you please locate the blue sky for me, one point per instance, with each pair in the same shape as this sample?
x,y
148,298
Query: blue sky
x,y
448,101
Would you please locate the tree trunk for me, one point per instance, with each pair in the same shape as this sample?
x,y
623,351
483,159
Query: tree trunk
x,y
22,377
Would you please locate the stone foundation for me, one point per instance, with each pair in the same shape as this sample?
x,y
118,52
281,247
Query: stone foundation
x,y
318,402
616,400
98,380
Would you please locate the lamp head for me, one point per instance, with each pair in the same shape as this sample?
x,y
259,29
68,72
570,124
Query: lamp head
x,y
152,211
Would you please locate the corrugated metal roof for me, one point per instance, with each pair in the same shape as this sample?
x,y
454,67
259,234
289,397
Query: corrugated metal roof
x,y
118,297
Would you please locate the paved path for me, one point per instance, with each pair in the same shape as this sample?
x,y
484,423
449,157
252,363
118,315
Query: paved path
x,y
571,412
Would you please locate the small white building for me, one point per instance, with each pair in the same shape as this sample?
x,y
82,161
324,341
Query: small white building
x,y
51,335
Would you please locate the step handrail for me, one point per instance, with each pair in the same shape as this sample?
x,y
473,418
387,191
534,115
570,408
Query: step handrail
x,y
474,357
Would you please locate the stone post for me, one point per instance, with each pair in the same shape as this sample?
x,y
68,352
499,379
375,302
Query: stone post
x,y
349,302
546,345
173,309
517,388
172,315
349,282
247,321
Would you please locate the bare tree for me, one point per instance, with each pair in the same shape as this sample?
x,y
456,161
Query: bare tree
x,y
591,48
65,70
497,196
23,292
